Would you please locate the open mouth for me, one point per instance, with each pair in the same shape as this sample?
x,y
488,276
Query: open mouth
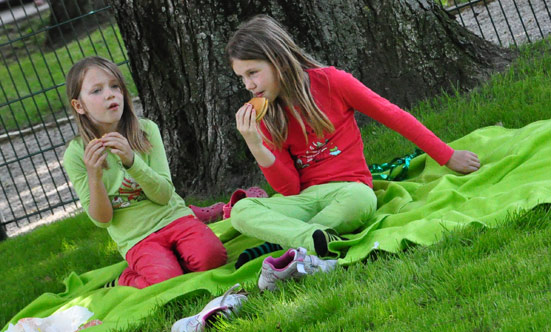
x,y
113,106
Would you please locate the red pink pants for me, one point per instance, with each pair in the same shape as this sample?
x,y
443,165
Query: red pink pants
x,y
184,245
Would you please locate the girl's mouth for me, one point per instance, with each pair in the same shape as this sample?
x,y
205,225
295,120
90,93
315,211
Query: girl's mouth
x,y
113,106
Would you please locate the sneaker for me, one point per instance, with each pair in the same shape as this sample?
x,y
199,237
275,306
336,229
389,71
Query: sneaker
x,y
292,265
222,306
322,238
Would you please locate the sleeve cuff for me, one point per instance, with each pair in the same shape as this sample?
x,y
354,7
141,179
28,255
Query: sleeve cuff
x,y
138,166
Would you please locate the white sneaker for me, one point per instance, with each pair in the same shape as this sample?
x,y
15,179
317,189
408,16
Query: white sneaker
x,y
292,265
225,305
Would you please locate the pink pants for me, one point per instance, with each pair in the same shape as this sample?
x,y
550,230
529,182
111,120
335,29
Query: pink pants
x,y
184,245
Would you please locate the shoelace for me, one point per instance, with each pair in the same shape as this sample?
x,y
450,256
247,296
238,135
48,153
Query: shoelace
x,y
333,237
299,257
228,292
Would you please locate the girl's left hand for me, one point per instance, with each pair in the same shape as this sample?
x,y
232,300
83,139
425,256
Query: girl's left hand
x,y
119,146
463,161
245,120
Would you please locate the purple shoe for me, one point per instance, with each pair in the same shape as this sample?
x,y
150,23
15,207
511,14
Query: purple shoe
x,y
226,306
292,265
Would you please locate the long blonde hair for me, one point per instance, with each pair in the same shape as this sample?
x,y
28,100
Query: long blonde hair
x,y
128,125
263,38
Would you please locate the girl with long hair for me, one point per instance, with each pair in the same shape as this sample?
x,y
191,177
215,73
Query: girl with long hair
x,y
120,172
308,145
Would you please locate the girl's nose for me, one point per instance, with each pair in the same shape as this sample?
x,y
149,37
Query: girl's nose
x,y
249,84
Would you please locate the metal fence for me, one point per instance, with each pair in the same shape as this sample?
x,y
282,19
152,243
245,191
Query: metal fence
x,y
40,42
504,22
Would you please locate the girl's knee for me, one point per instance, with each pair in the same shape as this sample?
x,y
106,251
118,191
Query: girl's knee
x,y
238,214
361,199
207,258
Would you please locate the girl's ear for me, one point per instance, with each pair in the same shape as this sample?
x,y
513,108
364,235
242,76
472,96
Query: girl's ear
x,y
77,105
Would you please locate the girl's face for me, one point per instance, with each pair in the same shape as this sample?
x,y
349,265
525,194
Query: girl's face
x,y
259,77
101,99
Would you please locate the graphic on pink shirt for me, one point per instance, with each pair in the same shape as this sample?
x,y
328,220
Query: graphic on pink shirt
x,y
316,152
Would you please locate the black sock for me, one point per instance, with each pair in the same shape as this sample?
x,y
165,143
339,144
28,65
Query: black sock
x,y
112,283
252,253
320,243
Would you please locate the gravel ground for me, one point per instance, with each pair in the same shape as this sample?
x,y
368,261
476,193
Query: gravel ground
x,y
38,182
508,29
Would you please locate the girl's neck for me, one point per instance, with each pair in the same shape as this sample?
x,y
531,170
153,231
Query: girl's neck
x,y
103,131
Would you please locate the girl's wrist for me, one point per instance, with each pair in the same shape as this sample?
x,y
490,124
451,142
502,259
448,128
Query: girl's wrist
x,y
130,162
255,147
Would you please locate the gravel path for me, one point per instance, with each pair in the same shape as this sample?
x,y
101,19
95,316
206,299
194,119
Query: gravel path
x,y
38,182
524,20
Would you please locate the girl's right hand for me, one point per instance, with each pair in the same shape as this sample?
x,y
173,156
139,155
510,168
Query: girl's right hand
x,y
94,156
245,119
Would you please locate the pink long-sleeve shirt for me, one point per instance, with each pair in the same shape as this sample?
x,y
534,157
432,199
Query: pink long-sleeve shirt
x,y
338,156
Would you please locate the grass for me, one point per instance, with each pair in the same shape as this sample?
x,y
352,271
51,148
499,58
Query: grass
x,y
38,262
474,280
513,99
26,71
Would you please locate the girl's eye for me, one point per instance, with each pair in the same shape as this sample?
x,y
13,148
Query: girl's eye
x,y
115,86
95,91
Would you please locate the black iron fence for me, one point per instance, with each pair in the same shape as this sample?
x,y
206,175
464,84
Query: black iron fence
x,y
503,22
40,40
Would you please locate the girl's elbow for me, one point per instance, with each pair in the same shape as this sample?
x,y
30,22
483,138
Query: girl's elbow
x,y
103,218
289,190
163,197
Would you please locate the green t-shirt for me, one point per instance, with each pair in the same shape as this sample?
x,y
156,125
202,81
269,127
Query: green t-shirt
x,y
142,196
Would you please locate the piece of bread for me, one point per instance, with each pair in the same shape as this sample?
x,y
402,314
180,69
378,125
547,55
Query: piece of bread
x,y
260,105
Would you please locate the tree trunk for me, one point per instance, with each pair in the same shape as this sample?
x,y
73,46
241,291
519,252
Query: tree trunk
x,y
404,50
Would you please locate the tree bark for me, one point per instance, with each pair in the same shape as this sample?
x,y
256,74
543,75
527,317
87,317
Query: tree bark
x,y
404,50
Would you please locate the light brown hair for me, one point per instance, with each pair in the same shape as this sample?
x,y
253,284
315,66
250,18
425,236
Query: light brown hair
x,y
128,125
263,38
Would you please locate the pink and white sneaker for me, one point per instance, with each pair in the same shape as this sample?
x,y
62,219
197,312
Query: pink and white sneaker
x,y
225,306
292,265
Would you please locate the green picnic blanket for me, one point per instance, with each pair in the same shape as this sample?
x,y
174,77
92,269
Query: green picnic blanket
x,y
432,200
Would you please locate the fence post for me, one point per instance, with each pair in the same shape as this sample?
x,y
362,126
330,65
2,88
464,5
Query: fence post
x,y
3,234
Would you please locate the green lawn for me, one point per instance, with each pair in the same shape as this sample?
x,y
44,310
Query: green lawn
x,y
28,72
473,280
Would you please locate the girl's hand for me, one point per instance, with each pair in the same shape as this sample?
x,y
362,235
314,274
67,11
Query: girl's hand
x,y
463,161
94,155
245,118
119,146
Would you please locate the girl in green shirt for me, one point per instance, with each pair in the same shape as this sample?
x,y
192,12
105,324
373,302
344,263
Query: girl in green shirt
x,y
119,170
